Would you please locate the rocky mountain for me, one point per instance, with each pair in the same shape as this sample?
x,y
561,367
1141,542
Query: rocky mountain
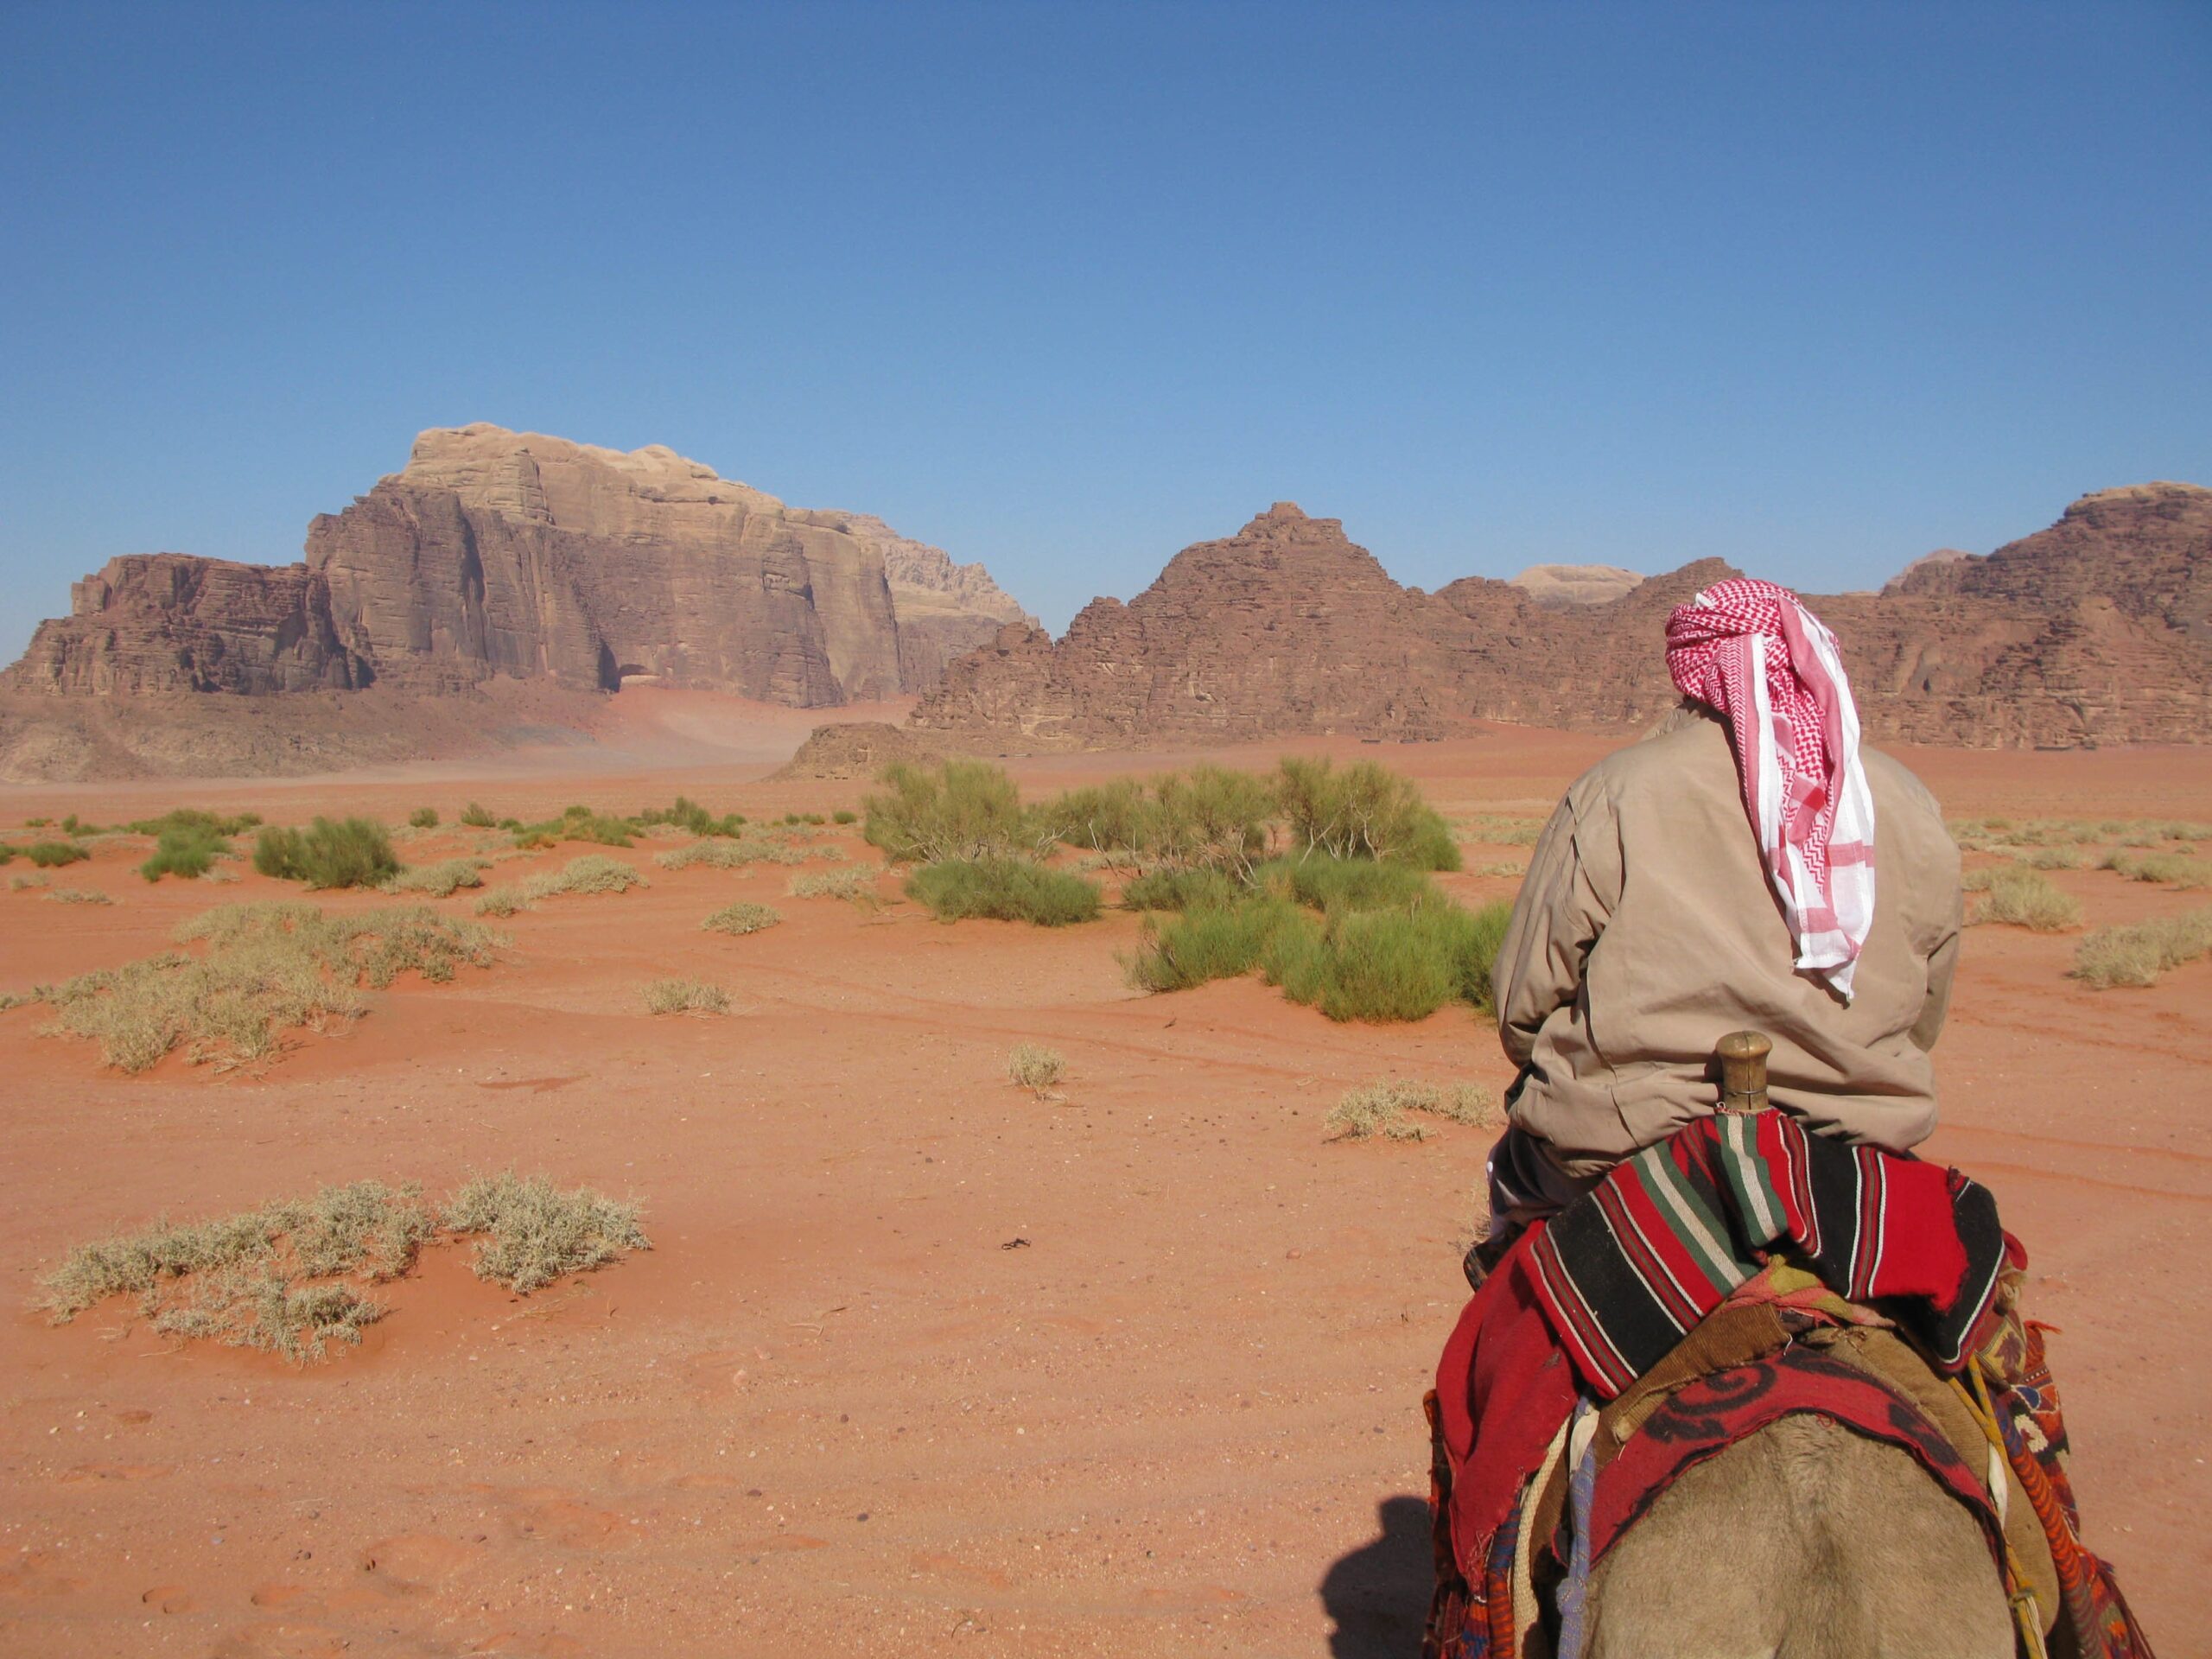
x,y
498,554
2096,630
1559,585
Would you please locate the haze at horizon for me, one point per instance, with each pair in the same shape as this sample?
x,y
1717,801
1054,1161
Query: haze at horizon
x,y
1813,291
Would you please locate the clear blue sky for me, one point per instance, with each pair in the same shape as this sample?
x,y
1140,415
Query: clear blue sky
x,y
1814,287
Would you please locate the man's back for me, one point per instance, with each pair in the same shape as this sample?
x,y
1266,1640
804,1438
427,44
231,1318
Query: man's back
x,y
1647,929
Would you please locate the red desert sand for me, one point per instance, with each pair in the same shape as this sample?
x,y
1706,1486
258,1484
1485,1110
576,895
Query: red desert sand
x,y
919,1361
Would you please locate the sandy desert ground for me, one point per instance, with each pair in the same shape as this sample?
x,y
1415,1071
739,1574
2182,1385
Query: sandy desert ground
x,y
919,1362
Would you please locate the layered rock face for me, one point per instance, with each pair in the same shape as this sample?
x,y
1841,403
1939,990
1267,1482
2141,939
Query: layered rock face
x,y
1557,586
2097,630
503,554
157,622
1284,627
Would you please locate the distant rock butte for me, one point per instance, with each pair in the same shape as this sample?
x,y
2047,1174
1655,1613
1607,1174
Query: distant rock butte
x,y
1575,584
503,554
2096,630
858,748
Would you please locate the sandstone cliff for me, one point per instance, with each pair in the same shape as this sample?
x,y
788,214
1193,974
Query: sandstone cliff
x,y
1560,585
2096,630
497,554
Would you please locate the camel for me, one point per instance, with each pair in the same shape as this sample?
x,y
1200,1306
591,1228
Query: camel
x,y
1804,1541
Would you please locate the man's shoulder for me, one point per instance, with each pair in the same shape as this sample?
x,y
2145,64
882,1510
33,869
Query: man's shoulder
x,y
1687,742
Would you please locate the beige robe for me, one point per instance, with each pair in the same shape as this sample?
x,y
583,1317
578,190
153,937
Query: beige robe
x,y
1645,930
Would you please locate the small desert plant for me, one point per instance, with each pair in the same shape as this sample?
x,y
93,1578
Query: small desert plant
x,y
2053,858
439,881
533,1233
1330,882
53,854
27,883
741,918
1384,1109
752,847
267,1277
340,853
476,816
2170,869
1002,889
1035,1068
592,873
1210,942
844,818
1501,829
422,818
2137,955
503,902
187,817
1212,817
189,851
956,810
685,996
1112,819
577,823
78,896
855,882
2025,898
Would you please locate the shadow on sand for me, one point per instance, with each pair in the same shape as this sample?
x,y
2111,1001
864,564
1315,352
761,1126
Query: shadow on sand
x,y
1378,1593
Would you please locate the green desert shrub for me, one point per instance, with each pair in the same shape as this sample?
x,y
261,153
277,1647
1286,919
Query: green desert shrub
x,y
422,818
1333,882
2137,955
477,817
592,873
742,918
842,816
532,1233
1003,889
693,818
189,851
439,881
1386,1110
1117,819
1212,817
1035,1068
266,970
53,854
954,810
685,996
1210,942
2025,898
192,817
1183,889
1364,811
328,852
1384,965
577,823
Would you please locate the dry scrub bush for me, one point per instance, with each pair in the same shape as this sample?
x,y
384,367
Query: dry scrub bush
x,y
263,1279
742,918
439,881
2024,897
752,847
2170,869
268,969
685,996
855,882
1500,829
1003,889
2135,956
29,883
533,1233
422,818
78,896
1036,1069
1383,1110
592,873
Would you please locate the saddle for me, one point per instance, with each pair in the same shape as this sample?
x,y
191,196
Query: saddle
x,y
1740,1272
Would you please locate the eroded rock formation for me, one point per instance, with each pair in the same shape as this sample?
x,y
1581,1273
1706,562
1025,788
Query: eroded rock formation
x,y
498,554
2096,630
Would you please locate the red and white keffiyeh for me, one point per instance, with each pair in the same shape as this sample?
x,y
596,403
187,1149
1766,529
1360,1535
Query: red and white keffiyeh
x,y
1753,653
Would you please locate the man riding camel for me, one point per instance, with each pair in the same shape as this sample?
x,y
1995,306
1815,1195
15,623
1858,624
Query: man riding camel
x,y
1697,1315
1649,920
